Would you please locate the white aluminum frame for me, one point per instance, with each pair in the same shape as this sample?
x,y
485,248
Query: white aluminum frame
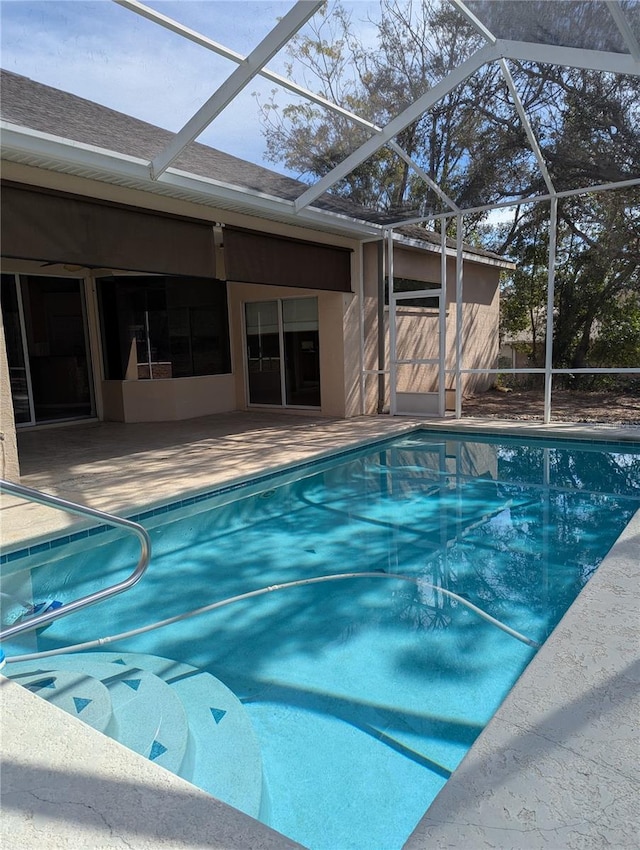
x,y
625,30
396,125
74,157
283,31
494,49
440,360
551,288
459,314
531,138
25,355
202,40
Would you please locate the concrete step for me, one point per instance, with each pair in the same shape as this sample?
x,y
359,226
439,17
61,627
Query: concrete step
x,y
147,716
174,714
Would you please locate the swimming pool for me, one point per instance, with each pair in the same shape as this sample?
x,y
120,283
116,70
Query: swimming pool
x,y
366,695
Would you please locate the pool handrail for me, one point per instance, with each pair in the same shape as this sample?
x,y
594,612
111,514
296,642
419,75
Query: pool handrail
x,y
49,616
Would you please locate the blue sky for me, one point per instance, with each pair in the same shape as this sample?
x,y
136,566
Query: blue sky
x,y
101,51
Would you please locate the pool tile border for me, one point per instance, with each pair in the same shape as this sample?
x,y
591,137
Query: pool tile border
x,y
260,478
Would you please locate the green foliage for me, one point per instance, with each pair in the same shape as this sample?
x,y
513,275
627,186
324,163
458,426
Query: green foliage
x,y
598,276
472,144
418,45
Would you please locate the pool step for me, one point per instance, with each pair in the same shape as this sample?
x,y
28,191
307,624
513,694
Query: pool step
x,y
225,754
146,715
79,694
172,713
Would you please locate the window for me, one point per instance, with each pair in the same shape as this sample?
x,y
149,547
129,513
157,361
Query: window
x,y
403,284
164,327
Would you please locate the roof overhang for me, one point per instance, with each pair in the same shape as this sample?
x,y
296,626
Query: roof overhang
x,y
65,156
54,153
468,256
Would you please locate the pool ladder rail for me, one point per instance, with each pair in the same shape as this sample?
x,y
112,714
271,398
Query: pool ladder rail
x,y
50,614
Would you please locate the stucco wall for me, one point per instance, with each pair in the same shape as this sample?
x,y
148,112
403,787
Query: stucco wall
x,y
417,327
8,443
345,323
330,322
481,317
168,400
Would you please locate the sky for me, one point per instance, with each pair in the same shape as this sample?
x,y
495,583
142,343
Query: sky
x,y
106,53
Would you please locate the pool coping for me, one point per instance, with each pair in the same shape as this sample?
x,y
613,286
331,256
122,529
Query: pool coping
x,y
567,432
557,765
498,797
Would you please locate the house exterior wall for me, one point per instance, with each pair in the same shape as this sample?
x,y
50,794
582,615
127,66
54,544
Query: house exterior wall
x,y
480,318
417,327
10,464
348,323
183,398
333,323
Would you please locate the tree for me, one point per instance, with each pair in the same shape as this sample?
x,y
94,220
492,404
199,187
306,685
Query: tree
x,y
472,144
597,282
524,291
418,44
598,276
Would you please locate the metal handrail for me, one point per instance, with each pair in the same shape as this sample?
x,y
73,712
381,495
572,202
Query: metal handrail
x,y
91,598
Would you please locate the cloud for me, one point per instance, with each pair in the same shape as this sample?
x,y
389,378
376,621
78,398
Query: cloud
x,y
105,53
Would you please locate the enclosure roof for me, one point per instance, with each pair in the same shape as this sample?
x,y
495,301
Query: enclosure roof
x,y
590,25
599,35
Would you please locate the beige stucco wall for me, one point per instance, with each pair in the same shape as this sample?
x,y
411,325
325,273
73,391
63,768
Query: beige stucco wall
x,y
346,323
481,317
9,446
167,400
352,360
134,401
331,319
417,328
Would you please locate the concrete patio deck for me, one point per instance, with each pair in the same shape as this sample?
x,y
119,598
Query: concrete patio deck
x,y
557,767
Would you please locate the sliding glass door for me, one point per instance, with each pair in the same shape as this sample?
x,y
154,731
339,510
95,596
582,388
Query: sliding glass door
x,y
47,349
264,352
17,355
283,361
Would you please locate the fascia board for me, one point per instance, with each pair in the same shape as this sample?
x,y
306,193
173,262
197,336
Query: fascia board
x,y
113,166
53,150
15,137
431,247
263,201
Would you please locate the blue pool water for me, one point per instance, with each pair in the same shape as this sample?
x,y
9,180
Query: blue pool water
x,y
366,694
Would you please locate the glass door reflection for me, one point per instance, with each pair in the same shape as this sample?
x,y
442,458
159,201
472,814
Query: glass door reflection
x,y
301,351
283,358
263,352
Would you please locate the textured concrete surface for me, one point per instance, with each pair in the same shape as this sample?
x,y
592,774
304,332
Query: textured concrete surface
x,y
65,785
557,767
120,468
